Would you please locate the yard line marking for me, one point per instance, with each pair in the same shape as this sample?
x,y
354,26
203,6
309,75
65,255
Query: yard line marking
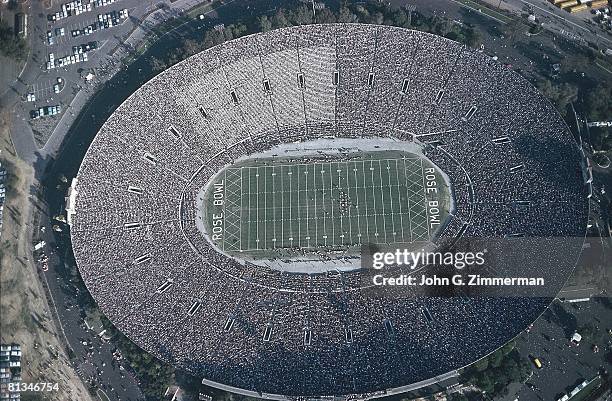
x,y
257,207
307,203
248,217
382,198
323,201
331,195
365,199
376,234
282,207
399,198
340,204
314,184
275,208
265,176
348,194
391,201
357,200
299,231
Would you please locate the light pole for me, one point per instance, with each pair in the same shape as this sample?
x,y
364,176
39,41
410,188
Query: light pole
x,y
410,8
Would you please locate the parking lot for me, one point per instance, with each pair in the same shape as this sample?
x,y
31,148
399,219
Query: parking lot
x,y
44,88
71,47
565,364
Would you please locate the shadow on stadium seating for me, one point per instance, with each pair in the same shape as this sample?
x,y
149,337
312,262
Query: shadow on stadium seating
x,y
550,155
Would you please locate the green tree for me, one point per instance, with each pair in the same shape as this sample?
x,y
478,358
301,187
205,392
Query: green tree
x,y
496,359
362,13
303,15
484,382
237,30
472,37
212,37
377,18
279,20
598,101
264,23
440,25
559,94
325,16
400,18
346,15
574,63
157,65
597,106
10,45
191,47
481,365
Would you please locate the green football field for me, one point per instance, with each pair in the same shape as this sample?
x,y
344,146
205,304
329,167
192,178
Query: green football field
x,y
325,203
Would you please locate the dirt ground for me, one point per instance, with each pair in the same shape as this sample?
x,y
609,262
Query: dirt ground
x,y
24,310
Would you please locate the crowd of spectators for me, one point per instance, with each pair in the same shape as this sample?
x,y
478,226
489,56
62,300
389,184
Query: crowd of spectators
x,y
512,163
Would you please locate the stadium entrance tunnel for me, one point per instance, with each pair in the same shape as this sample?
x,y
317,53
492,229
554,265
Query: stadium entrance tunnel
x,y
310,206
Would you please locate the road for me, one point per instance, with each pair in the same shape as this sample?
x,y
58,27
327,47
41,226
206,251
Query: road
x,y
92,357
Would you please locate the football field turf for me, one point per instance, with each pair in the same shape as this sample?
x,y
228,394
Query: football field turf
x,y
379,197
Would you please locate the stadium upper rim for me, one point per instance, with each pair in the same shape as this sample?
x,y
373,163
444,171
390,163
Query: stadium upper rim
x,y
144,261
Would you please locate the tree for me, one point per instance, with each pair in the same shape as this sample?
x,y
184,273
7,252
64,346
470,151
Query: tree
x,y
11,45
597,103
212,37
325,16
346,15
280,19
264,23
400,18
239,29
496,359
363,15
377,18
191,47
560,95
303,15
484,382
574,63
481,365
440,25
157,64
473,38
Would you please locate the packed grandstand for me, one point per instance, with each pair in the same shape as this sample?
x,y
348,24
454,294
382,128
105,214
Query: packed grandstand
x,y
513,166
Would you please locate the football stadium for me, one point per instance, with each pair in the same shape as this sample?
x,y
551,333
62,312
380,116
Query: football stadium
x,y
219,215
